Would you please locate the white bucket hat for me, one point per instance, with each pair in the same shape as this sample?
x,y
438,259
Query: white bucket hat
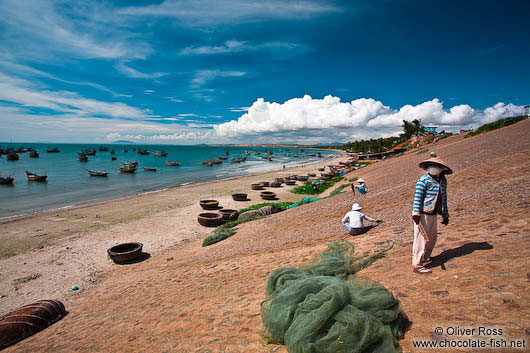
x,y
356,207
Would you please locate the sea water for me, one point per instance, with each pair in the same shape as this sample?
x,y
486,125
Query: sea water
x,y
69,183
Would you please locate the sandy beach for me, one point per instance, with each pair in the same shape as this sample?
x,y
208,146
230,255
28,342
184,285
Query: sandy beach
x,y
186,298
46,254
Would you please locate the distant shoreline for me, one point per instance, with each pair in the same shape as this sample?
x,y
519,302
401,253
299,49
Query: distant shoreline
x,y
105,200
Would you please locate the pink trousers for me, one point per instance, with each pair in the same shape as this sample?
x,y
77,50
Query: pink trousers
x,y
422,249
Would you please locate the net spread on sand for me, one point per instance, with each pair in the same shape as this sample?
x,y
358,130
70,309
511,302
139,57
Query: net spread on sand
x,y
325,308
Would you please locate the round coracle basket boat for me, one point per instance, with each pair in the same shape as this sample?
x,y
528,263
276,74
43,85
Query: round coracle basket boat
x,y
275,184
302,177
264,183
239,197
312,175
28,320
229,214
290,182
256,186
268,195
209,204
210,219
125,252
321,169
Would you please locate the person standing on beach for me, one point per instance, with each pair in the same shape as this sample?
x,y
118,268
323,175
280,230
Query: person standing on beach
x,y
430,200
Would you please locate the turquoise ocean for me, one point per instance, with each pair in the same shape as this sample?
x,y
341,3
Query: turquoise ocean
x,y
69,184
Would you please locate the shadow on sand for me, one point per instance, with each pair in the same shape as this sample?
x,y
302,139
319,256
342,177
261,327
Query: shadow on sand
x,y
466,249
144,256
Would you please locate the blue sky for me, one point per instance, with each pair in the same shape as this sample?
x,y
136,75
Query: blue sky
x,y
214,71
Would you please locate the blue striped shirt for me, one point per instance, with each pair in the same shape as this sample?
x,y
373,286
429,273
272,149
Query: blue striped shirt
x,y
427,192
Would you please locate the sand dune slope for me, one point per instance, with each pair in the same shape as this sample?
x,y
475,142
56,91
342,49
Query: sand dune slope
x,y
194,299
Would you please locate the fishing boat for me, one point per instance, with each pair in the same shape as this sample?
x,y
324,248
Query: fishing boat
x,y
150,169
11,156
6,180
34,154
222,158
103,149
114,158
21,150
112,152
173,164
97,174
125,151
160,154
35,177
227,153
144,152
132,164
88,152
53,150
83,158
126,168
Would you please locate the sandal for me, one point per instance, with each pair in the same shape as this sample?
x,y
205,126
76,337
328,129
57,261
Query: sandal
x,y
421,270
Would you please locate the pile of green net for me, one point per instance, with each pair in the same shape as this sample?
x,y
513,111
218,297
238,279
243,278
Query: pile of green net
x,y
325,308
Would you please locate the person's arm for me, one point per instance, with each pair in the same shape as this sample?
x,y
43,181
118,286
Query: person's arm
x,y
345,219
445,210
419,196
369,218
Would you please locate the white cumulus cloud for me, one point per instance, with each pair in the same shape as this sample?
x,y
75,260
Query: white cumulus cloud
x,y
330,119
501,110
302,113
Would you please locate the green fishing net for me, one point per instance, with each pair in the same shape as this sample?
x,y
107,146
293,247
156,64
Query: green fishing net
x,y
325,308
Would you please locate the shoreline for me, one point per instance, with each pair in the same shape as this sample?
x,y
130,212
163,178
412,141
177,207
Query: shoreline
x,y
102,201
61,248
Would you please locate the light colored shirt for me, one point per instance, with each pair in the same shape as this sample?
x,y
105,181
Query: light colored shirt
x,y
355,219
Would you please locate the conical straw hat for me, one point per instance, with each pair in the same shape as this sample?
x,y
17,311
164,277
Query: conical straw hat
x,y
435,160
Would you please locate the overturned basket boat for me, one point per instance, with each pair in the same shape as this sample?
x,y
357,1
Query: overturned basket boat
x,y
229,214
312,175
28,320
125,252
210,219
268,195
256,186
321,169
209,204
239,197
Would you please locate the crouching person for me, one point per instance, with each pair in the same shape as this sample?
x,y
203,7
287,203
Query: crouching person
x,y
353,221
